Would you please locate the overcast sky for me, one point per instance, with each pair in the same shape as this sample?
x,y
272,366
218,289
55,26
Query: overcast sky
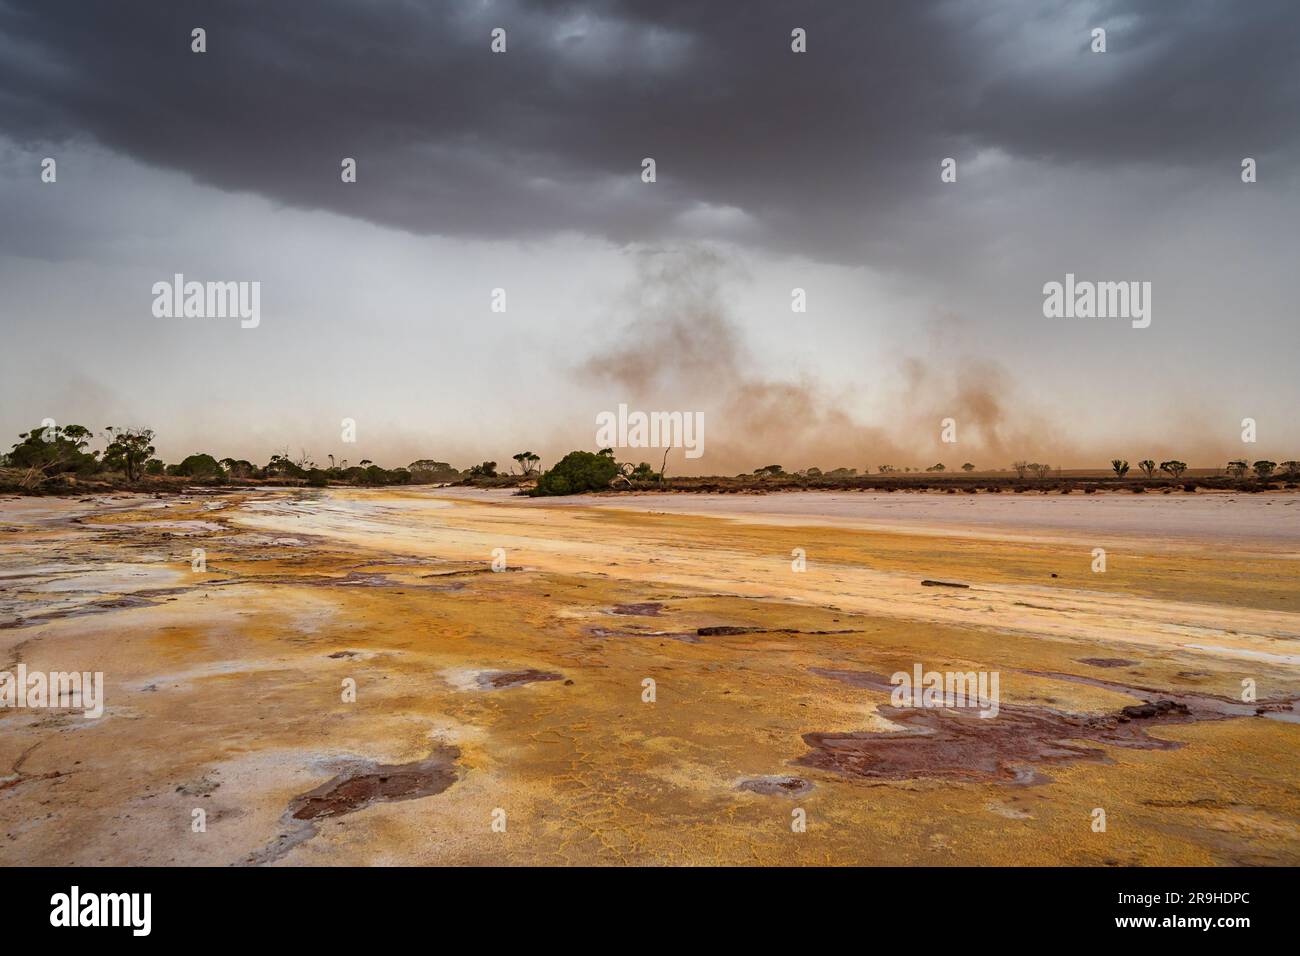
x,y
522,170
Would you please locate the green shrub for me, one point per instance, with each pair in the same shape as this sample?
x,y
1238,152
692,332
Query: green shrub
x,y
198,466
576,472
54,450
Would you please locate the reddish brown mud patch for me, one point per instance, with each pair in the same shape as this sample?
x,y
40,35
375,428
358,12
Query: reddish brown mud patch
x,y
1106,661
378,783
644,609
499,680
788,786
959,744
1158,708
363,783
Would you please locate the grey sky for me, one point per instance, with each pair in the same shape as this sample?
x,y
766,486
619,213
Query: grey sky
x,y
521,171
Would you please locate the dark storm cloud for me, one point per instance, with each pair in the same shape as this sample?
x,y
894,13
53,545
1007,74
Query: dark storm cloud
x,y
819,152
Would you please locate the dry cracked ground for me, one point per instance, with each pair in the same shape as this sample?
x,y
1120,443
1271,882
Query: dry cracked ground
x,y
519,698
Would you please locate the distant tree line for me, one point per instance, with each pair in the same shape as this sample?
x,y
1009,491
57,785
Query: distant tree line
x,y
50,452
1263,469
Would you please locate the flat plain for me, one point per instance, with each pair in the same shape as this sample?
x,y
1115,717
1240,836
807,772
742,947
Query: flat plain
x,y
504,716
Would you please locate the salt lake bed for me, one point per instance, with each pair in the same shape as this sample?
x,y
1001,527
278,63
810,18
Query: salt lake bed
x,y
442,676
